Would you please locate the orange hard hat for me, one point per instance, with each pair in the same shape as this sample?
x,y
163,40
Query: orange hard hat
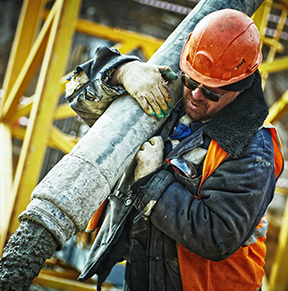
x,y
223,48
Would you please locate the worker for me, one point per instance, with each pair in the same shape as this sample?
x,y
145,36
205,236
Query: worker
x,y
194,217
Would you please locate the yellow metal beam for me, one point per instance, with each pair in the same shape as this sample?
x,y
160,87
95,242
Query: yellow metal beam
x,y
278,280
28,70
131,40
6,178
67,284
22,109
261,18
279,64
62,141
278,109
278,31
284,2
57,139
64,111
61,283
127,41
272,64
279,47
127,46
46,99
28,26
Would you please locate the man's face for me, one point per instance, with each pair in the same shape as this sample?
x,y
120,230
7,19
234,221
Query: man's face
x,y
200,108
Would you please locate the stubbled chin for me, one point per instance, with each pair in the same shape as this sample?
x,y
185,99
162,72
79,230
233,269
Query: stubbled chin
x,y
191,111
196,112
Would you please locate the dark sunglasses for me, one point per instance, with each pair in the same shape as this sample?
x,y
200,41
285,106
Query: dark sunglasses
x,y
192,85
182,167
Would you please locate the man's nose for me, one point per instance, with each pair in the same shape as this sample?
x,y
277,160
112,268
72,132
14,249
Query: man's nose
x,y
197,94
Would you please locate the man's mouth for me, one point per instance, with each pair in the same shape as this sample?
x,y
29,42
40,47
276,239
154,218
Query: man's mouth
x,y
194,105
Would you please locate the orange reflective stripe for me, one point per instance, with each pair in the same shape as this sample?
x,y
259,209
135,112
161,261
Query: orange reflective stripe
x,y
95,219
214,157
243,270
278,149
198,273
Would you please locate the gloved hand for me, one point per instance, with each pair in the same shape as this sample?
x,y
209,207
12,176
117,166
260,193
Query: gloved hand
x,y
83,98
149,157
76,82
144,82
89,92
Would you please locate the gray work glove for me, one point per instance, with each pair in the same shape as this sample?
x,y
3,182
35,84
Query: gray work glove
x,y
144,82
149,157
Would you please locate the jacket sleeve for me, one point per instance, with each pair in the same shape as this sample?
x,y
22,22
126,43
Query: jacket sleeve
x,y
233,200
90,99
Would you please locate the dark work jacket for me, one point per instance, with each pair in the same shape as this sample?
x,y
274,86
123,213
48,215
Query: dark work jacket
x,y
233,200
213,227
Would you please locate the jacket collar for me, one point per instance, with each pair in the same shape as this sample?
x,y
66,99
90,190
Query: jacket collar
x,y
235,126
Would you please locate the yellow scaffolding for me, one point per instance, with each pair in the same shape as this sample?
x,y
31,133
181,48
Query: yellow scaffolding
x,y
273,64
41,50
49,51
277,280
49,47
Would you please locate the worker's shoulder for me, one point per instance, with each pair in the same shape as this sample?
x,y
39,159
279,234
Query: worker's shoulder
x,y
262,142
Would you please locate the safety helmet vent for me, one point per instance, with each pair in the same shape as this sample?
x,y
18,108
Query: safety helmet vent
x,y
241,63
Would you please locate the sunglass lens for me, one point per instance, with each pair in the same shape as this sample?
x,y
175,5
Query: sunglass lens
x,y
189,83
192,85
209,94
